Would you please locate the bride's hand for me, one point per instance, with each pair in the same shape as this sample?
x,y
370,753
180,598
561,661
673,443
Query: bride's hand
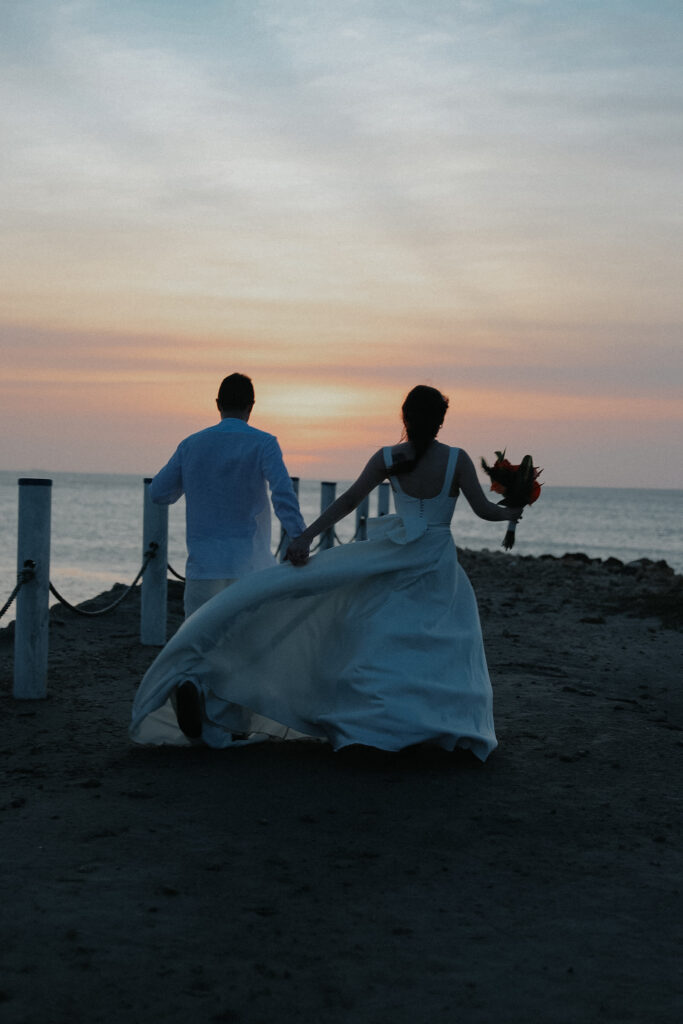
x,y
297,552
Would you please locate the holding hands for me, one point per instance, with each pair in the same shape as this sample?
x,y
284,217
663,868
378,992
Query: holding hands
x,y
298,551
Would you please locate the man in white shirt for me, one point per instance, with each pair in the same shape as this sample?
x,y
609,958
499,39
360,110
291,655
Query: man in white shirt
x,y
223,472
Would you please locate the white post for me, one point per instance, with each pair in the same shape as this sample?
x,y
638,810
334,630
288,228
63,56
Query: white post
x,y
383,492
327,495
284,538
31,627
362,513
153,596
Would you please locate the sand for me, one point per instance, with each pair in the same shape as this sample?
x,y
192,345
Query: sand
x,y
285,883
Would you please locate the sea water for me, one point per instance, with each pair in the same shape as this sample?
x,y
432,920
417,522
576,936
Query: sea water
x,y
96,534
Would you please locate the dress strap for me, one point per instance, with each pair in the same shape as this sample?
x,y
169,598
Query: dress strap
x,y
450,470
388,462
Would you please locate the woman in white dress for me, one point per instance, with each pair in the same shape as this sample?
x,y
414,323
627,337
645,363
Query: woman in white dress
x,y
376,643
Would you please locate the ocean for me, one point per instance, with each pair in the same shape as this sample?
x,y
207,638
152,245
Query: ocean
x,y
97,528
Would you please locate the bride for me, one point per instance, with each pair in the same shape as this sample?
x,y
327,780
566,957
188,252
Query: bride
x,y
375,643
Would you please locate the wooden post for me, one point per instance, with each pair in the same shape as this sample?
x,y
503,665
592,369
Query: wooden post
x,y
362,513
383,493
153,597
284,537
31,632
327,495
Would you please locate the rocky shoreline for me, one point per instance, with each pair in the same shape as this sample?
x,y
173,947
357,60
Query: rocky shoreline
x,y
282,882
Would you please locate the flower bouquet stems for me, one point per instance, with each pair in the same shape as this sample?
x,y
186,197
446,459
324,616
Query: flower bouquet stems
x,y
518,484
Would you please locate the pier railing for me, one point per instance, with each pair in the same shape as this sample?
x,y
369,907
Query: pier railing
x,y
33,586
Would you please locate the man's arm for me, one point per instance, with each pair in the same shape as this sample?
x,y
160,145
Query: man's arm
x,y
167,486
282,493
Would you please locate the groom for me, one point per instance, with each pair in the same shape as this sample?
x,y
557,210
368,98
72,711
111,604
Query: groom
x,y
223,471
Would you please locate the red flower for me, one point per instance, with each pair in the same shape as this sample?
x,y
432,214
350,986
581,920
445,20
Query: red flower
x,y
518,484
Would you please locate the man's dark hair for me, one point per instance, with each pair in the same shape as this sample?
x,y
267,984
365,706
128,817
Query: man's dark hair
x,y
236,392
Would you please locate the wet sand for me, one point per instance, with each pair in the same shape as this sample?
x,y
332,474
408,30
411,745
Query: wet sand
x,y
284,883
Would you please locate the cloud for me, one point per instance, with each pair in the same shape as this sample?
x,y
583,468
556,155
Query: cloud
x,y
350,196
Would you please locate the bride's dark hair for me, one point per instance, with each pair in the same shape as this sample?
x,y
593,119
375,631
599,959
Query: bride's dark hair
x,y
423,413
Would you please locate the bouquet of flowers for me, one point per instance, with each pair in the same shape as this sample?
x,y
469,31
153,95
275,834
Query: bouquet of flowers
x,y
518,484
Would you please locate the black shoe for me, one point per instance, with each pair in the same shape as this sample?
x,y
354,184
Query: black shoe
x,y
188,710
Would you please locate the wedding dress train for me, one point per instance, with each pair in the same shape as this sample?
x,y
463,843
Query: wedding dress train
x,y
375,643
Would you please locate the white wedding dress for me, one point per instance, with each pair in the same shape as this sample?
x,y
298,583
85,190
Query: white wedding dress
x,y
376,643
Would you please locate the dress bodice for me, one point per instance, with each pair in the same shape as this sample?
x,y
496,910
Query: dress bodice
x,y
436,511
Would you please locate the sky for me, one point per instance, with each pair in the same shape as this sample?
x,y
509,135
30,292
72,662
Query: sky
x,y
343,200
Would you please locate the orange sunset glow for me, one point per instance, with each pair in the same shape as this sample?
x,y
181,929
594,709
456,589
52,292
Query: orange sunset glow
x,y
342,202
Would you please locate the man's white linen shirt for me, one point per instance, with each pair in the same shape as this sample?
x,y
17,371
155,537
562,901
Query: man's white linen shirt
x,y
223,471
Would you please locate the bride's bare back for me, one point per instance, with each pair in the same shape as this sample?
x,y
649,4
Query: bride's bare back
x,y
426,480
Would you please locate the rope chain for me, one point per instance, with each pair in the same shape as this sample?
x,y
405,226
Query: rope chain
x,y
150,553
335,536
23,576
361,523
26,574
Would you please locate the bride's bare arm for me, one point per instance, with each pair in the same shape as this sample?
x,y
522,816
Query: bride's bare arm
x,y
465,478
372,475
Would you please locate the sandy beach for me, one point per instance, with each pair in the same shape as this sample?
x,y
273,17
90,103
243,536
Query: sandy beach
x,y
283,883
